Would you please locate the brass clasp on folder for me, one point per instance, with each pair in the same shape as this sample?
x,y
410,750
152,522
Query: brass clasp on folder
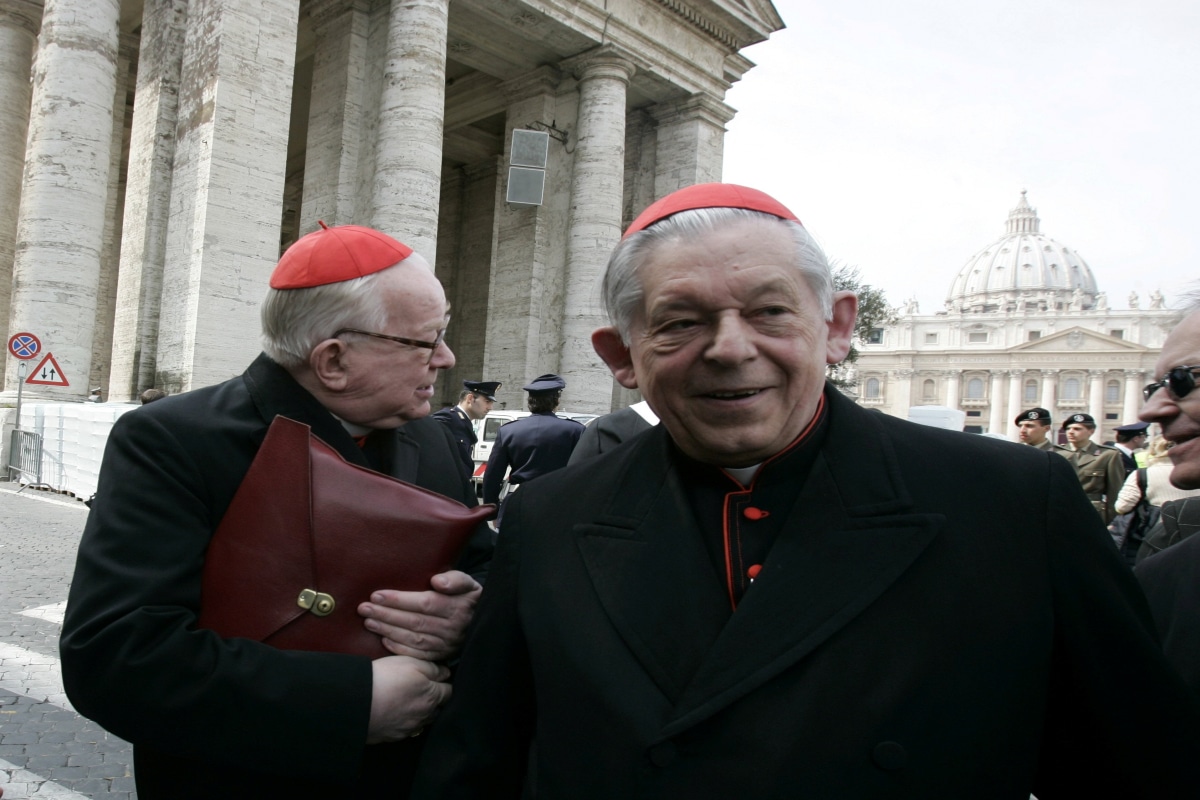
x,y
316,602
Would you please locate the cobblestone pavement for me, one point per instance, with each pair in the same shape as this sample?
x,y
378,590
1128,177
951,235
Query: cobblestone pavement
x,y
46,749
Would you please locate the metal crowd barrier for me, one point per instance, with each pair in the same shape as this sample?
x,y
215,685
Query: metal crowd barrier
x,y
25,458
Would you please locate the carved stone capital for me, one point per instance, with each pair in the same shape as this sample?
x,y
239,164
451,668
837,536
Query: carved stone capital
x,y
696,106
23,15
602,62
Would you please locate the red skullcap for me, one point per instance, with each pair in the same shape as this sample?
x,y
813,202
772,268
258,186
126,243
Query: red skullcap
x,y
332,255
709,195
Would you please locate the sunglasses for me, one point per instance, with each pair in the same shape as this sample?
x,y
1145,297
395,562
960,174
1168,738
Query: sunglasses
x,y
1179,380
430,346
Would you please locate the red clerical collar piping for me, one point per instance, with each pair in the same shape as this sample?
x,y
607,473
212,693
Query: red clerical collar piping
x,y
818,415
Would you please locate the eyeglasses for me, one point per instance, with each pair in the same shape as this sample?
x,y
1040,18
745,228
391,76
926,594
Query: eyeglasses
x,y
1180,381
430,346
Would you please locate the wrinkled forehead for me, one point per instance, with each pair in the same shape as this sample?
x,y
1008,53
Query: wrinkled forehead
x,y
1182,347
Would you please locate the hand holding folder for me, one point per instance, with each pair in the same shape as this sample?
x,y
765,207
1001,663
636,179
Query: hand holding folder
x,y
308,536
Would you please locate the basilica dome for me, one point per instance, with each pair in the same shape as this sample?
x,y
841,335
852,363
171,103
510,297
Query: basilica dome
x,y
1024,269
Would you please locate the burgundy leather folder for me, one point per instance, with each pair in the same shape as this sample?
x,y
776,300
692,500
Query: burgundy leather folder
x,y
309,536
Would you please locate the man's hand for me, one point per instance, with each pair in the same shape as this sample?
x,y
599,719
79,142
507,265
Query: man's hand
x,y
405,695
429,625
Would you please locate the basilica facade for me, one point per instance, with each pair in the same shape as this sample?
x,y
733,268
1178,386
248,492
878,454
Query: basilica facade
x,y
157,155
1025,324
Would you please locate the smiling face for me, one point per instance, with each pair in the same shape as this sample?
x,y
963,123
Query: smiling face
x,y
1179,416
730,345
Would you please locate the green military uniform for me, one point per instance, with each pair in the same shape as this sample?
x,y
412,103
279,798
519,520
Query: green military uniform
x,y
1101,474
1046,444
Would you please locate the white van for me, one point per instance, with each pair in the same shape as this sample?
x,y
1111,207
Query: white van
x,y
486,430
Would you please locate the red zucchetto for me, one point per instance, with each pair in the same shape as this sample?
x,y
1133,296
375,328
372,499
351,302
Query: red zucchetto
x,y
332,255
710,195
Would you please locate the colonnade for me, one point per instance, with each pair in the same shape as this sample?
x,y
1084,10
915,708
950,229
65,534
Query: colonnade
x,y
150,272
1003,394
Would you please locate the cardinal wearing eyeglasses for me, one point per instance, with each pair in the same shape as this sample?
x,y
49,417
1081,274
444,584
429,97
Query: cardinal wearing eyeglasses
x,y
353,329
1171,579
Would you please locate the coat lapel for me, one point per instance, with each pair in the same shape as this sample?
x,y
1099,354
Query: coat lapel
x,y
823,571
651,571
849,537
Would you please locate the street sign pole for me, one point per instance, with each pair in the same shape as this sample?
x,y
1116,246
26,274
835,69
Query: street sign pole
x,y
21,368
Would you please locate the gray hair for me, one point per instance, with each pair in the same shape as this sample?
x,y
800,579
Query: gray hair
x,y
1190,302
294,321
621,291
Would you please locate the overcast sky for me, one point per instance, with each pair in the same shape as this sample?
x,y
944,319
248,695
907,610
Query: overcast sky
x,y
902,133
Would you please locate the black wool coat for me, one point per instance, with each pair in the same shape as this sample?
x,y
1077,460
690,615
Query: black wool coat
x,y
942,616
211,717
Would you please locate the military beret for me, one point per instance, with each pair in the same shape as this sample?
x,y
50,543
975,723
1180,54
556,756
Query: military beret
x,y
545,383
1133,427
486,389
1036,414
333,255
709,195
1079,419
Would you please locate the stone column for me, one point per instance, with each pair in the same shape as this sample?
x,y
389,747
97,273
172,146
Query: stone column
x,y
1133,395
408,156
1016,379
1049,386
110,254
147,199
953,384
464,268
19,23
521,283
901,397
996,403
690,142
595,222
227,187
60,230
1096,401
335,116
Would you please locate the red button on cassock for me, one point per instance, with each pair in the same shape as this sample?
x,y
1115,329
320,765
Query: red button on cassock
x,y
750,512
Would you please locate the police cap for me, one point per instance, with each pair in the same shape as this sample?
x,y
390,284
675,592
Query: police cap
x,y
545,384
486,389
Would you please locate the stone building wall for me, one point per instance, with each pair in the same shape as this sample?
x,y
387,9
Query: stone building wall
x,y
144,263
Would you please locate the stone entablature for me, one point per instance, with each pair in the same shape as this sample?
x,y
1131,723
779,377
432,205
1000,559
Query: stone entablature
x,y
251,121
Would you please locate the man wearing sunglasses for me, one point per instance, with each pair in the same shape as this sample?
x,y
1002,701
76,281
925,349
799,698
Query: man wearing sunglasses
x,y
353,338
1171,579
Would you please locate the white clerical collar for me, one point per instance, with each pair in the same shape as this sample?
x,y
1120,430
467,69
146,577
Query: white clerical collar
x,y
643,410
353,429
743,475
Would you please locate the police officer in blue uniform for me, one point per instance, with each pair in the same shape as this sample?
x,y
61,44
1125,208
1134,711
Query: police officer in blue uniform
x,y
1131,442
474,402
533,445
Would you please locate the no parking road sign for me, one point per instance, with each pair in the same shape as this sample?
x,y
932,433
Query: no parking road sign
x,y
24,345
